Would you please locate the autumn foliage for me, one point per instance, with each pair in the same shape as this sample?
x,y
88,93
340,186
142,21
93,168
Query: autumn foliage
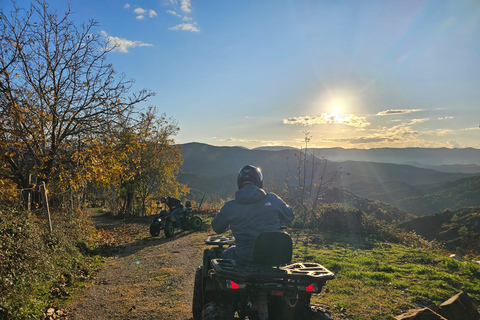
x,y
69,119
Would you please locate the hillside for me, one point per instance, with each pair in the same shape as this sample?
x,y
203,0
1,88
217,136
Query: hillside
x,y
458,229
212,170
454,195
465,158
376,209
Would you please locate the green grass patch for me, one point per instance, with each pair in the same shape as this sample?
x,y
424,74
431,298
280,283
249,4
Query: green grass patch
x,y
379,280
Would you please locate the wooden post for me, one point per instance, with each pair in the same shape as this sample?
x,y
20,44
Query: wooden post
x,y
43,192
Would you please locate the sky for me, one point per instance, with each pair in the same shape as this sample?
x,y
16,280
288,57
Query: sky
x,y
350,74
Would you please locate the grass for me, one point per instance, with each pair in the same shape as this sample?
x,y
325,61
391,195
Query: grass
x,y
380,280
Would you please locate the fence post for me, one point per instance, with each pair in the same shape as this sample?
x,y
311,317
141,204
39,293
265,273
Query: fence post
x,y
43,192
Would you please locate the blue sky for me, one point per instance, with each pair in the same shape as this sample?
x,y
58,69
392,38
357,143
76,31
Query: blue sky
x,y
355,74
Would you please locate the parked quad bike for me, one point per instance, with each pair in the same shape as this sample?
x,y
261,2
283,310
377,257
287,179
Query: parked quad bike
x,y
166,221
224,288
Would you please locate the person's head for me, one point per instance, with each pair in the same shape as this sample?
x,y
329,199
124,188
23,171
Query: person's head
x,y
163,200
249,175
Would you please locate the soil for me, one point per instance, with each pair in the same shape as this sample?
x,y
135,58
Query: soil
x,y
143,277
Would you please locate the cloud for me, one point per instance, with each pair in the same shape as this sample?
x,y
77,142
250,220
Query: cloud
x,y
325,118
173,13
152,13
418,121
139,11
122,45
186,27
186,6
142,13
446,118
397,111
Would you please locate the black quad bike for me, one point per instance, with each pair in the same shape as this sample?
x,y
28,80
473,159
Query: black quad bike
x,y
226,288
166,221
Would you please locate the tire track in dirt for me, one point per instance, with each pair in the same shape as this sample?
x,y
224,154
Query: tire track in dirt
x,y
143,278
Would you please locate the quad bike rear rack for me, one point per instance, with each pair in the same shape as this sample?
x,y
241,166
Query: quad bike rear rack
x,y
245,271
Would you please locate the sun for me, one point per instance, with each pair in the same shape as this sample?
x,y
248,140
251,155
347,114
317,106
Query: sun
x,y
336,111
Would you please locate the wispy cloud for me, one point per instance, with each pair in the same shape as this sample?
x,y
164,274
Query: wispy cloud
x,y
152,13
173,13
142,13
183,12
418,121
325,118
186,27
397,111
446,118
186,6
121,44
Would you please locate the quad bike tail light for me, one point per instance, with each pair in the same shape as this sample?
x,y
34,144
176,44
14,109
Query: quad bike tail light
x,y
233,285
313,288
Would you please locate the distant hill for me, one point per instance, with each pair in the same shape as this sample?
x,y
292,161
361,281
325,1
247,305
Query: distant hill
x,y
458,229
453,195
213,170
466,160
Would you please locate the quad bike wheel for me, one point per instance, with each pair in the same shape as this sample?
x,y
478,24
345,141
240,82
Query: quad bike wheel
x,y
154,229
169,229
197,304
217,311
196,223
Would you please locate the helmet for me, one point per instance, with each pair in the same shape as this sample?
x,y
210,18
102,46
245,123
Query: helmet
x,y
250,174
163,200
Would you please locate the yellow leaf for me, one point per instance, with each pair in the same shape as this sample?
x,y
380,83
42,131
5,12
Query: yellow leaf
x,y
17,75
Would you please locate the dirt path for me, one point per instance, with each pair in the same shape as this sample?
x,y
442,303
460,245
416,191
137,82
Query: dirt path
x,y
143,277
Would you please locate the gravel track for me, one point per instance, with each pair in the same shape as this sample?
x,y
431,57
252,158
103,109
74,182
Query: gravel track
x,y
143,277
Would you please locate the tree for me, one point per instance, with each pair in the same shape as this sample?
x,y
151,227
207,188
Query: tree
x,y
59,98
149,159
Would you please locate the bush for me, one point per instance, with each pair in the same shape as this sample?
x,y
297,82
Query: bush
x,y
38,267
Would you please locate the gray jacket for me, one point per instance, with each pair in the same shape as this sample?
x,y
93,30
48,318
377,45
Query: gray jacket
x,y
252,212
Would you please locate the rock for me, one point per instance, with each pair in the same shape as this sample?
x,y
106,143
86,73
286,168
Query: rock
x,y
50,312
477,262
420,314
460,307
458,258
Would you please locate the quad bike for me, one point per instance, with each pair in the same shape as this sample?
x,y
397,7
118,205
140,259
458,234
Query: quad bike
x,y
166,221
224,288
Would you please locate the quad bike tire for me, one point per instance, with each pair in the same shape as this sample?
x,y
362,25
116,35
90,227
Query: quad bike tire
x,y
169,229
197,303
196,223
154,229
217,311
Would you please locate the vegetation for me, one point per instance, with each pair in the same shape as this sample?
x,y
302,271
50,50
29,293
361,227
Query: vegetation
x,y
379,280
458,229
69,120
38,269
453,195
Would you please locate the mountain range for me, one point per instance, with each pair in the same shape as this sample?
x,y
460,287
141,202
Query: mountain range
x,y
212,170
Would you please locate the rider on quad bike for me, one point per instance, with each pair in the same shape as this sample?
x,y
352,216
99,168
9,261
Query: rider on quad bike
x,y
252,212
174,206
255,278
